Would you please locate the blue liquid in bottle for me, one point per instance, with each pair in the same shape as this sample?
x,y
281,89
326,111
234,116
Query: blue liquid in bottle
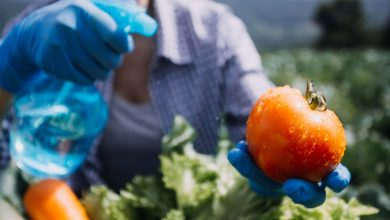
x,y
55,127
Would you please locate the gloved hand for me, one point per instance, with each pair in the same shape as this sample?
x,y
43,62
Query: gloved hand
x,y
300,191
77,40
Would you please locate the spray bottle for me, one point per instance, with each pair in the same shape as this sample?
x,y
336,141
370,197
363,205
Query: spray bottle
x,y
57,121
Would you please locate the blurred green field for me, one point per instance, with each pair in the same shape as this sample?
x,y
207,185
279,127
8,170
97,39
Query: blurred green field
x,y
357,87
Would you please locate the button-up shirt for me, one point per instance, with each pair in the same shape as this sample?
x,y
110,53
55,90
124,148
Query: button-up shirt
x,y
205,68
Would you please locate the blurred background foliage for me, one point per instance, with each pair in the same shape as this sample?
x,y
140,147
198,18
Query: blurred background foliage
x,y
343,46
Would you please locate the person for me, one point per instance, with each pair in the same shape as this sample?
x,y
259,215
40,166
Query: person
x,y
200,64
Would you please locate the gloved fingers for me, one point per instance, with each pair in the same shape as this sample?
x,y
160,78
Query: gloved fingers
x,y
264,191
81,58
304,192
59,58
106,28
103,54
338,179
241,160
120,41
89,66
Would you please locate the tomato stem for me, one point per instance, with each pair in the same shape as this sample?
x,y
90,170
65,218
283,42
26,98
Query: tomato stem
x,y
314,97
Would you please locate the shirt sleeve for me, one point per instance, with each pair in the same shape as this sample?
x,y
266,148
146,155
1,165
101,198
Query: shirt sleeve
x,y
244,78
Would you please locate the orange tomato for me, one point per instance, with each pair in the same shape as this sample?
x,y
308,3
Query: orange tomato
x,y
52,199
292,137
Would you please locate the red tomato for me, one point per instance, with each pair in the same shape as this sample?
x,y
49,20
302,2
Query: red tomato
x,y
290,138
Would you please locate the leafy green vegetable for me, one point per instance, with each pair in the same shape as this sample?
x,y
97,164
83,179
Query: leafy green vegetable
x,y
144,198
333,208
192,176
149,197
181,135
174,215
193,186
103,204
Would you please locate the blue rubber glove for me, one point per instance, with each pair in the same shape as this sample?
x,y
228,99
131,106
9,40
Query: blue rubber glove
x,y
77,40
300,191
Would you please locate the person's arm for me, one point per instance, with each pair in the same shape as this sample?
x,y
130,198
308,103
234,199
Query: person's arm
x,y
5,100
244,78
244,83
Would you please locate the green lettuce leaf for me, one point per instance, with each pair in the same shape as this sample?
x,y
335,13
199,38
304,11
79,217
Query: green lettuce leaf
x,y
149,197
104,204
174,214
190,175
333,208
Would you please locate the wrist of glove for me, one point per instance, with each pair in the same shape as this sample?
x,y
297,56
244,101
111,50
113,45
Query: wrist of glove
x,y
300,191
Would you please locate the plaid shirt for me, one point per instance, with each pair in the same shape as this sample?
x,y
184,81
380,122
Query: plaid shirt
x,y
205,67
